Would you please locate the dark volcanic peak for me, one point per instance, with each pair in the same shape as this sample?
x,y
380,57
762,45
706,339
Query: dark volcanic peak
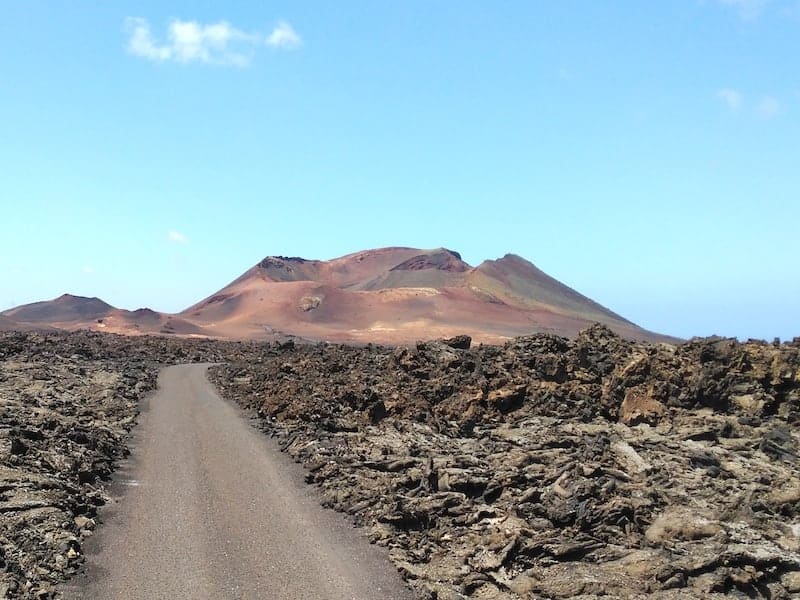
x,y
442,259
271,261
288,268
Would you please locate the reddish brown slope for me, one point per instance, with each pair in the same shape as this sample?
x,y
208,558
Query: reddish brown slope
x,y
518,282
399,295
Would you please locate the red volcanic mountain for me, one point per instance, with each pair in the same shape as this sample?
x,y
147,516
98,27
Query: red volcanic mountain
x,y
388,295
396,295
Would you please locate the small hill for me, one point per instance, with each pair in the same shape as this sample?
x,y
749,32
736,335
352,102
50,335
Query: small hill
x,y
64,309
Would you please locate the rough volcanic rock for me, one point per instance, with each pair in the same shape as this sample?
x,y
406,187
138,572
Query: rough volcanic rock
x,y
544,468
443,260
67,403
550,468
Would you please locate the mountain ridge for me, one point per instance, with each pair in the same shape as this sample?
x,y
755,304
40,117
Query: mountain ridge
x,y
394,294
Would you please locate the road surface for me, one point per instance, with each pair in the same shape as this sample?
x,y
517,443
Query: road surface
x,y
209,509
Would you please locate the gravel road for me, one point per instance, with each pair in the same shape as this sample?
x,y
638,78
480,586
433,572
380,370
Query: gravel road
x,y
208,508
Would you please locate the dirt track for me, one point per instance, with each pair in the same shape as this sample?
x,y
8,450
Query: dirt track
x,y
210,509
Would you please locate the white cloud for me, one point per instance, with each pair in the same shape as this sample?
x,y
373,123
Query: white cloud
x,y
177,237
768,107
284,36
88,269
732,98
216,43
142,43
747,9
207,43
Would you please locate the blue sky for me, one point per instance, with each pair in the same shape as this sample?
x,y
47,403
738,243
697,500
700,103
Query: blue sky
x,y
645,153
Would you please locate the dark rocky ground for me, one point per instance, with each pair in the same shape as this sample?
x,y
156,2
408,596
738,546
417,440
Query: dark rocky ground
x,y
546,468
550,468
67,403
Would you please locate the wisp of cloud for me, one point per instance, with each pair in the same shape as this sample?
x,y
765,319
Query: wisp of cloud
x,y
217,43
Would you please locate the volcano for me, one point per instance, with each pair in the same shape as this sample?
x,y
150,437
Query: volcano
x,y
398,295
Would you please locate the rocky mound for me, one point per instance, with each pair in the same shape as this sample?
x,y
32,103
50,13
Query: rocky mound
x,y
552,468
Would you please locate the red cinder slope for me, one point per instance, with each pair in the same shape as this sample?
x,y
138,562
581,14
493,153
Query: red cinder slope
x,y
395,295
